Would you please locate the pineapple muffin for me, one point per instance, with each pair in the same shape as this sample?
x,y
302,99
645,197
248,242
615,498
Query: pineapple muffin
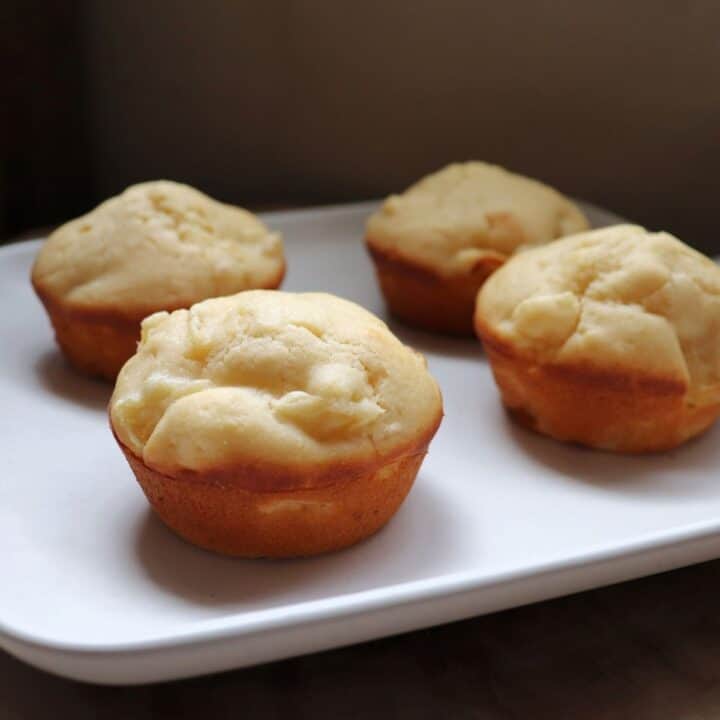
x,y
610,339
274,424
434,245
157,246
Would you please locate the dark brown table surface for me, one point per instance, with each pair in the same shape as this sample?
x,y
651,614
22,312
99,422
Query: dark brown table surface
x,y
646,649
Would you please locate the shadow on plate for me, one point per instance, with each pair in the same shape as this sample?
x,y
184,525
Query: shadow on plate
x,y
431,343
687,471
419,541
56,376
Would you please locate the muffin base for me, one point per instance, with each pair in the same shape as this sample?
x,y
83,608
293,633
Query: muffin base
x,y
427,300
96,346
621,412
233,520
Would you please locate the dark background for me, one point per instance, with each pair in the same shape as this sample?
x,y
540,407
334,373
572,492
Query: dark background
x,y
306,102
293,102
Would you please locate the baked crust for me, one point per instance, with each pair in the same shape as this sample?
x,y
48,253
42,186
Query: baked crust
x,y
99,341
614,410
274,424
157,246
447,220
436,243
235,514
426,299
97,345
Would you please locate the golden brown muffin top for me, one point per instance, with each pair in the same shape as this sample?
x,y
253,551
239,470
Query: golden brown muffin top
x,y
450,220
157,245
619,299
268,376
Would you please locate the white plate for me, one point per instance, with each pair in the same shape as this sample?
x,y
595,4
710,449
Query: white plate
x,y
94,588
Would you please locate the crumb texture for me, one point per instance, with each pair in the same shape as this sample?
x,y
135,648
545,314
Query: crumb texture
x,y
157,245
274,377
453,219
619,299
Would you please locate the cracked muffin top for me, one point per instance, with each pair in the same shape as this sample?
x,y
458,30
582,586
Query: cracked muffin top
x,y
271,377
620,299
158,245
450,220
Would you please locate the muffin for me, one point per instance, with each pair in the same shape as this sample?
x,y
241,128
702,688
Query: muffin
x,y
274,424
434,246
157,246
609,338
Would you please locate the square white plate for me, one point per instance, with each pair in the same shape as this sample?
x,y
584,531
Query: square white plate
x,y
94,587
